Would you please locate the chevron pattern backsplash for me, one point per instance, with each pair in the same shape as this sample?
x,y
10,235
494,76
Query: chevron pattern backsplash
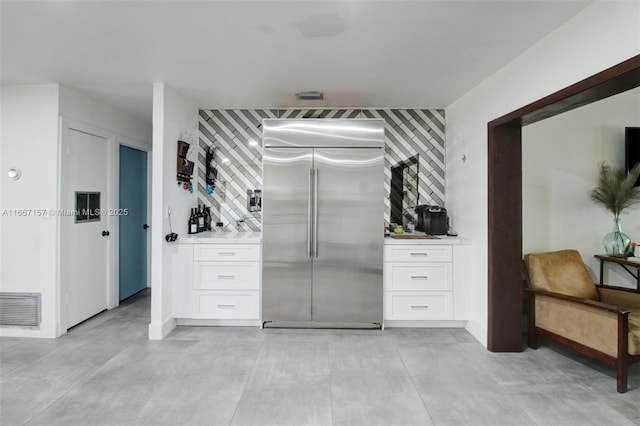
x,y
237,135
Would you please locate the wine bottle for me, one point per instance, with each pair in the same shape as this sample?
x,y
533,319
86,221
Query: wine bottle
x,y
200,217
193,222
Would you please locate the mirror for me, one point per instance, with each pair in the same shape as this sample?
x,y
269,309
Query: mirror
x,y
404,190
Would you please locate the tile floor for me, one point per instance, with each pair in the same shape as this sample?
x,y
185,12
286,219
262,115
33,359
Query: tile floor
x,y
106,372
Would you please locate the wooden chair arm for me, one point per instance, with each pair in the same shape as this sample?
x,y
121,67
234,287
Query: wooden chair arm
x,y
588,302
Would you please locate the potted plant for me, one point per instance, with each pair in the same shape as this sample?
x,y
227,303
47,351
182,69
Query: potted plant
x,y
616,193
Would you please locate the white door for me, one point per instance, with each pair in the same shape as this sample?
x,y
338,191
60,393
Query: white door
x,y
86,232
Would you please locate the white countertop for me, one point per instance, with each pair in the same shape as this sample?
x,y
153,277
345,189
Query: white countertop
x,y
256,237
211,237
440,239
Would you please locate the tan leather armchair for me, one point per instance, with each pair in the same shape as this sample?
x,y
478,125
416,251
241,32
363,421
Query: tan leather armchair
x,y
566,306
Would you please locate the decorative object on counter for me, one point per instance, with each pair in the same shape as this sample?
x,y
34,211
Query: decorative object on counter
x,y
398,230
199,220
616,193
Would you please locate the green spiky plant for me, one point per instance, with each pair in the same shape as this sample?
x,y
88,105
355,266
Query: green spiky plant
x,y
615,191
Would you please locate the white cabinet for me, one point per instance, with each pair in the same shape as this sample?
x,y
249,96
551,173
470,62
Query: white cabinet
x,y
226,275
226,304
425,282
217,284
422,305
226,281
226,252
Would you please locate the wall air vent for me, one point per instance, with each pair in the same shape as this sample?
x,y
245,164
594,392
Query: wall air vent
x,y
21,310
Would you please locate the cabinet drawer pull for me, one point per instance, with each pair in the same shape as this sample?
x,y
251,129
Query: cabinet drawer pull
x,y
227,253
419,254
226,306
419,307
419,277
226,277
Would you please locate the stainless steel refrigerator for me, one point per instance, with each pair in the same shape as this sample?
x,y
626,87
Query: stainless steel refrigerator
x,y
322,222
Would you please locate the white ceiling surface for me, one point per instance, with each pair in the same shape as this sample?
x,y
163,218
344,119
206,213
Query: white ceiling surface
x,y
257,54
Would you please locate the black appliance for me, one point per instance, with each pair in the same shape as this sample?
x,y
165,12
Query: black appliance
x,y
432,220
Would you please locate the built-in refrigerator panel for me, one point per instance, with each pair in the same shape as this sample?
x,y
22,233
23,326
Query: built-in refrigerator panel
x,y
325,132
286,264
322,222
347,268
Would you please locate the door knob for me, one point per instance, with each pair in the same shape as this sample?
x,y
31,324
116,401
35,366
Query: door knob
x,y
105,233
145,226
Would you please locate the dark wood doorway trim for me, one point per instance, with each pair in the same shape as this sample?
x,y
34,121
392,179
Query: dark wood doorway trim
x,y
505,194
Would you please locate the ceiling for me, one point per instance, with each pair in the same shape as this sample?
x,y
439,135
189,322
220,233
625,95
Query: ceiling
x,y
258,54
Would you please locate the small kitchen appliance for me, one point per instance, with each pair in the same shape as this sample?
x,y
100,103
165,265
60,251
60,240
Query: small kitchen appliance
x,y
432,220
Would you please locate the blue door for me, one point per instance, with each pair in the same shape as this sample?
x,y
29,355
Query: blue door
x,y
133,221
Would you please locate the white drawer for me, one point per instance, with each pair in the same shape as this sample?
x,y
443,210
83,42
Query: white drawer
x,y
418,276
419,306
227,305
418,253
226,275
226,252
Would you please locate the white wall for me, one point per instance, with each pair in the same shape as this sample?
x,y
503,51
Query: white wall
x,y
31,127
119,128
132,131
559,170
602,35
173,115
28,247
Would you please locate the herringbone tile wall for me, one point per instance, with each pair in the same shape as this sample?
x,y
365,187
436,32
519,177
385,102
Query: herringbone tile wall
x,y
237,135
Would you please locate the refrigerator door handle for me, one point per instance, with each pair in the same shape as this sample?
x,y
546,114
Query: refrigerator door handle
x,y
315,212
310,215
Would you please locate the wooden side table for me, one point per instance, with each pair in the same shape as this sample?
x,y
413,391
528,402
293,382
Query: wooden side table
x,y
622,261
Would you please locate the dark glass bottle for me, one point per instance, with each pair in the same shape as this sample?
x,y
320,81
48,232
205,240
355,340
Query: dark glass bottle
x,y
200,217
193,222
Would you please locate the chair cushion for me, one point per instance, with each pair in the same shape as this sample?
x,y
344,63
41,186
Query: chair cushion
x,y
562,272
629,300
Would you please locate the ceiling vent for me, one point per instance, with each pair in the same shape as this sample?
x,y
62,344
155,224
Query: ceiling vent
x,y
309,96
